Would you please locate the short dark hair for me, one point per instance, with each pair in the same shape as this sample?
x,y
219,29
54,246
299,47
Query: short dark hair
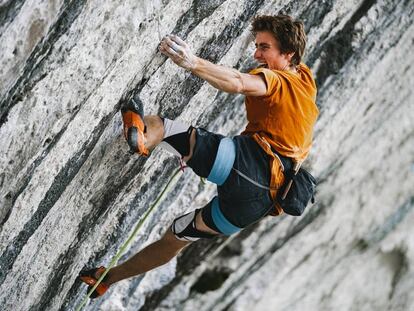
x,y
289,33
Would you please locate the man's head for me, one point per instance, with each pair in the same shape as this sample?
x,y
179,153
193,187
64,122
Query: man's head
x,y
280,41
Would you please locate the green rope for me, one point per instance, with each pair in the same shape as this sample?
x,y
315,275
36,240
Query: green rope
x,y
114,260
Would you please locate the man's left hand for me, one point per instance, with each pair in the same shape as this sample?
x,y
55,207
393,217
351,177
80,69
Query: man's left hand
x,y
179,51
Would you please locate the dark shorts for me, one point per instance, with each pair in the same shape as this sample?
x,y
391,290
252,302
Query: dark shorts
x,y
240,202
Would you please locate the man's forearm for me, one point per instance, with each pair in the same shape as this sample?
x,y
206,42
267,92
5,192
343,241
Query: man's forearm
x,y
223,78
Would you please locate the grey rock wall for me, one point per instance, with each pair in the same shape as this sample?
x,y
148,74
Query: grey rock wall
x,y
70,194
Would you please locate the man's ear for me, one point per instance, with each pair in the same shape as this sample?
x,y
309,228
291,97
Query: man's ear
x,y
289,56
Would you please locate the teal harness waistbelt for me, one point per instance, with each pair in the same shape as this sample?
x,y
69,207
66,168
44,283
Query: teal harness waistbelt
x,y
221,222
226,154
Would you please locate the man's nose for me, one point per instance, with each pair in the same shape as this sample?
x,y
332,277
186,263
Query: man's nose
x,y
257,54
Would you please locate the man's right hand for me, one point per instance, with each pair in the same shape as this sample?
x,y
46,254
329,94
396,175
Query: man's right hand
x,y
179,51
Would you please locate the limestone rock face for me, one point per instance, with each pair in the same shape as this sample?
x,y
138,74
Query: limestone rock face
x,y
70,193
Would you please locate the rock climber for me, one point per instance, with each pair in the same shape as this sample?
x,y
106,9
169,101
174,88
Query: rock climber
x,y
280,100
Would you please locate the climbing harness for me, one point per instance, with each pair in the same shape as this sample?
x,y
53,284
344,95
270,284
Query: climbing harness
x,y
225,226
224,161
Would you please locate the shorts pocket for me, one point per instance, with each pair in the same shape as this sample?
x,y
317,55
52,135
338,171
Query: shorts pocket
x,y
243,212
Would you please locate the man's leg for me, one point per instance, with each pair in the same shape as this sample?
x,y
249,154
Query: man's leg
x,y
154,255
180,139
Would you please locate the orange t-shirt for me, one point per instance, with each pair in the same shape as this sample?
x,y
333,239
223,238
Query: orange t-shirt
x,y
285,116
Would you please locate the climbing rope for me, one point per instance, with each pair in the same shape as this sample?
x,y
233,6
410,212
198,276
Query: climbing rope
x,y
118,255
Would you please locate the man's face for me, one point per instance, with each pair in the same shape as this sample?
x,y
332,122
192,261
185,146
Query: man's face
x,y
268,53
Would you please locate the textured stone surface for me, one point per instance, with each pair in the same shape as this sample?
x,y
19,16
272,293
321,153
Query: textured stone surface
x,y
70,194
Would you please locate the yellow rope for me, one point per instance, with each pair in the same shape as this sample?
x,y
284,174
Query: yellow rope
x,y
118,255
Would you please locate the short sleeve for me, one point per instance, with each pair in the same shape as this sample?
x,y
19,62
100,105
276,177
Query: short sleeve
x,y
272,79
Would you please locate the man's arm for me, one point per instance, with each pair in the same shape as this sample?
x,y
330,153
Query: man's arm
x,y
228,79
223,78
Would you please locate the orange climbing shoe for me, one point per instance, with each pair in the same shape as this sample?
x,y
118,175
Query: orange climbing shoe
x,y
134,127
90,277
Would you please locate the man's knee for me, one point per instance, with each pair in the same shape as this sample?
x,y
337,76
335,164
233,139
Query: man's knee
x,y
177,138
202,226
190,227
171,239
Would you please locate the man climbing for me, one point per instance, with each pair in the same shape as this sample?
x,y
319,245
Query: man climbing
x,y
248,168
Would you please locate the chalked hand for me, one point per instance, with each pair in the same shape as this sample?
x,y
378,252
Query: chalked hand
x,y
179,51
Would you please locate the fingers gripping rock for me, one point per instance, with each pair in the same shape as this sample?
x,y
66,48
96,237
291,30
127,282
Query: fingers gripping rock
x,y
178,51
